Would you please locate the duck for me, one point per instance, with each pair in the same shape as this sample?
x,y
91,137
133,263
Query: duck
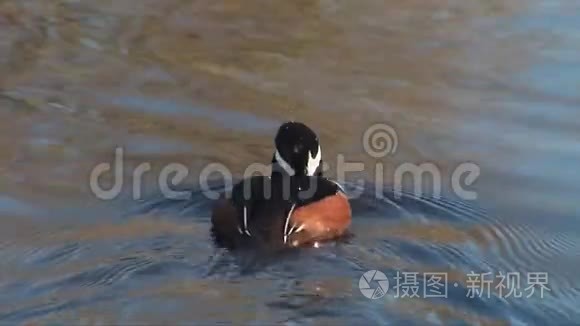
x,y
293,206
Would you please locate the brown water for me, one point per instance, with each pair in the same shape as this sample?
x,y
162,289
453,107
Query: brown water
x,y
195,82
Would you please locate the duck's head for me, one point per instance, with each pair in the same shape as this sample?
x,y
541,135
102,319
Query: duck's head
x,y
297,151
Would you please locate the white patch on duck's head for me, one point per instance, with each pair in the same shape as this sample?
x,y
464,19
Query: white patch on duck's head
x,y
313,162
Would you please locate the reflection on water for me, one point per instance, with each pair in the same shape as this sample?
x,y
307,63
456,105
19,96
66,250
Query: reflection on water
x,y
492,82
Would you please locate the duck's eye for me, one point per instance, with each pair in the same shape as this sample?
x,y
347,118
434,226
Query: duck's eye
x,y
297,149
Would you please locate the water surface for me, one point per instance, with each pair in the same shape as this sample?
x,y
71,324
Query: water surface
x,y
490,82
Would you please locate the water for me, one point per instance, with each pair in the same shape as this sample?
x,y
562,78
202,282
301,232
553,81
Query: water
x,y
490,82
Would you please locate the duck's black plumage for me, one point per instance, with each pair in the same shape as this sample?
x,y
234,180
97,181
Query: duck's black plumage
x,y
263,204
296,205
